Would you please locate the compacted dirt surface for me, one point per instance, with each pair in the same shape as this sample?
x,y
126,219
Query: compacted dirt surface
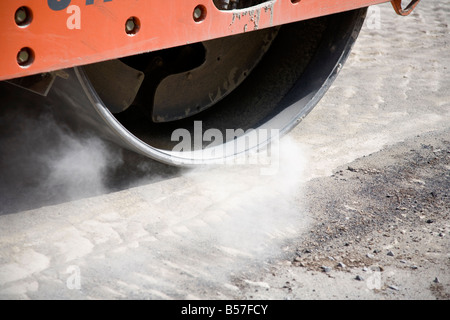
x,y
381,230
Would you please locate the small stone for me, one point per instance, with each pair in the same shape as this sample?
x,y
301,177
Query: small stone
x,y
341,265
390,253
377,268
258,284
394,288
326,269
370,256
414,267
436,280
402,261
430,221
359,278
365,269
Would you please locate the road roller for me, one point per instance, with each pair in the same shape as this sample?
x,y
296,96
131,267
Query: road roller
x,y
143,73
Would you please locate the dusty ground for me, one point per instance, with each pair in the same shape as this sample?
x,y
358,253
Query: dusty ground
x,y
363,191
381,230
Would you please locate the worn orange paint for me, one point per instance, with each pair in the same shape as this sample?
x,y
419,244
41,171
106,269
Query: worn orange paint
x,y
58,40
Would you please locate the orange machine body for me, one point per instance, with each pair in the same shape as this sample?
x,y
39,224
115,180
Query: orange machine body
x,y
46,35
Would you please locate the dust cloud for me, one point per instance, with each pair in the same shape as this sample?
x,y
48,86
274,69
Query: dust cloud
x,y
216,222
254,205
211,222
78,166
44,163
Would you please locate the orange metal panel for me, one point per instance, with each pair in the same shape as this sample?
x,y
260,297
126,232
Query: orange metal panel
x,y
47,35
